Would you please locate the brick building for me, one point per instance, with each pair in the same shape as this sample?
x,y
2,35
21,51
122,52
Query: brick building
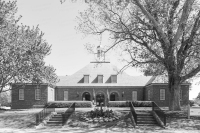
x,y
97,82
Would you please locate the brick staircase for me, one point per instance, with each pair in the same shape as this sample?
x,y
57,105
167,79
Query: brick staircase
x,y
55,120
146,119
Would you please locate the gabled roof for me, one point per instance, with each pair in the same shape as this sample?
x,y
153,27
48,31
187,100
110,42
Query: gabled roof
x,y
160,79
105,69
157,79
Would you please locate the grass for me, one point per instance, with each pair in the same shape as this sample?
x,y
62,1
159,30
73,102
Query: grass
x,y
17,119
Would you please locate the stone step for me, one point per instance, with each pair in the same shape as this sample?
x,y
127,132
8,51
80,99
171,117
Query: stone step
x,y
54,122
60,112
147,122
145,116
56,119
145,119
57,115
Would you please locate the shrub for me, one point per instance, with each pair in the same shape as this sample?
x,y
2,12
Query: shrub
x,y
67,104
126,103
5,99
118,104
191,102
142,103
176,114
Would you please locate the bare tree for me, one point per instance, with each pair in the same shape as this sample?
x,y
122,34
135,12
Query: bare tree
x,y
160,36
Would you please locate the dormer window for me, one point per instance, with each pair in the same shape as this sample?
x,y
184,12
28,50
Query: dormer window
x,y
86,78
113,78
100,78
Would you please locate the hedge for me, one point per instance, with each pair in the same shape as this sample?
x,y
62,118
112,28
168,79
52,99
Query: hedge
x,y
176,114
126,103
142,103
118,104
66,104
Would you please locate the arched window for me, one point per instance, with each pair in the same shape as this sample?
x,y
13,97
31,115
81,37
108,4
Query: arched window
x,y
114,96
100,99
86,96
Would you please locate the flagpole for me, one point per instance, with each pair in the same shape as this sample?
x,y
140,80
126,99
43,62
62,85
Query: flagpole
x,y
94,96
107,97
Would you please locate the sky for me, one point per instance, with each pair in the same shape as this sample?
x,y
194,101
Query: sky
x,y
58,22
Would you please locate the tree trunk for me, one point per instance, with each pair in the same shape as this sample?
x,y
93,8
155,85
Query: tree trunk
x,y
174,101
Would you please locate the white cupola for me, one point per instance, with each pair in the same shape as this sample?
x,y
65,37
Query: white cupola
x,y
100,53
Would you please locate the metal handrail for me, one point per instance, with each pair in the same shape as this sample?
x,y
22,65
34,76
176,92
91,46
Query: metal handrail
x,y
133,112
44,113
159,112
67,113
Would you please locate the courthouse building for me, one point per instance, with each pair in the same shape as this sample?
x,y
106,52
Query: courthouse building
x,y
98,82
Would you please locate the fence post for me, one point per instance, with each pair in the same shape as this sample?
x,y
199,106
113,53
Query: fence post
x,y
165,120
136,119
188,111
63,119
37,119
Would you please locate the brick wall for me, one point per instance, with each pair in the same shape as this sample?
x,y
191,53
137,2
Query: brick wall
x,y
73,91
155,94
146,93
29,96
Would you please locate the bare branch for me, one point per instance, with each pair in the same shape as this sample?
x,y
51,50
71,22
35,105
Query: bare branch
x,y
192,73
171,17
155,23
182,23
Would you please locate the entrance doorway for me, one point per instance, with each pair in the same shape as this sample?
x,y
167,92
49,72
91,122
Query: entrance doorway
x,y
114,96
86,96
100,99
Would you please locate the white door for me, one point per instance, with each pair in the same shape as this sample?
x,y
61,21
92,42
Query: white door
x,y
134,95
65,95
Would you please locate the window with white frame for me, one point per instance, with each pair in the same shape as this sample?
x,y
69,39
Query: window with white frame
x,y
162,94
113,78
86,78
37,94
100,78
149,94
134,95
21,94
65,95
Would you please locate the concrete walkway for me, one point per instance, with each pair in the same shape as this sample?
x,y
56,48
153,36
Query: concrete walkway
x,y
95,130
